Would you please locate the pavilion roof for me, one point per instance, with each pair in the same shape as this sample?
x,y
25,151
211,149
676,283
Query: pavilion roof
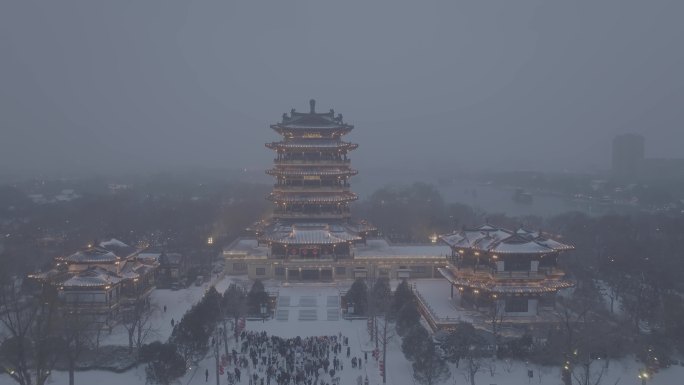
x,y
498,240
93,255
311,121
118,247
135,268
92,277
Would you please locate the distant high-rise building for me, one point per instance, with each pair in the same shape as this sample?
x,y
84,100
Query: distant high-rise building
x,y
628,155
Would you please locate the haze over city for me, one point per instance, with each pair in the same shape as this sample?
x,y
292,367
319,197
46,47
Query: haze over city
x,y
341,192
100,87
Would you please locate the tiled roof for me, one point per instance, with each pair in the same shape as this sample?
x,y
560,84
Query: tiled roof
x,y
310,234
119,248
311,120
496,240
92,255
91,278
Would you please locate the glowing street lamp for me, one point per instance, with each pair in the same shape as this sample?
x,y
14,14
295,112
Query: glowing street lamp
x,y
210,241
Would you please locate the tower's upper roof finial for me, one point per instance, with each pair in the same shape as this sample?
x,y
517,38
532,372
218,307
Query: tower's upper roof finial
x,y
312,104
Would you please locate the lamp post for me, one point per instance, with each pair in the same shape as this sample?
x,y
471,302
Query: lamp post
x,y
263,312
643,376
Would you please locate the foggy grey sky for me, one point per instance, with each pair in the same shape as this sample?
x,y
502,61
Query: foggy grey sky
x,y
143,85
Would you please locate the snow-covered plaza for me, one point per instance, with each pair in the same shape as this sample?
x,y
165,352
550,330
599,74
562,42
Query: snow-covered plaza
x,y
313,309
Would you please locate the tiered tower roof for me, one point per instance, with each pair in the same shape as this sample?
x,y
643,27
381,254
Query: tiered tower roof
x,y
312,191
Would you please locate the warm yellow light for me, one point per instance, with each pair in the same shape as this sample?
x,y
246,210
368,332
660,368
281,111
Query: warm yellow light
x,y
210,241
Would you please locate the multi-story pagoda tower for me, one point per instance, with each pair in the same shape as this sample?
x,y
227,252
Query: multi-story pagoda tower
x,y
312,169
311,194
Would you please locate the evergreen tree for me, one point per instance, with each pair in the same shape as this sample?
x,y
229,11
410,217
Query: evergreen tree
x,y
164,363
257,296
381,296
209,307
234,303
407,317
463,342
429,368
358,295
191,335
415,342
402,295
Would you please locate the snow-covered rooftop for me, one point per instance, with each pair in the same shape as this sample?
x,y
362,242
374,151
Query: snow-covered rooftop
x,y
92,255
91,278
302,234
497,240
246,246
382,248
118,247
374,248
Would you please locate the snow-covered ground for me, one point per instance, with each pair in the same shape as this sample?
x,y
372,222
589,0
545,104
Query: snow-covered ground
x,y
177,303
436,293
303,303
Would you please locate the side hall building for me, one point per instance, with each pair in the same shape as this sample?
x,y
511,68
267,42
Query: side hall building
x,y
514,273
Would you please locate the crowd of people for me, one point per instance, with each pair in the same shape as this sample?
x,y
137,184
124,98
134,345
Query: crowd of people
x,y
270,360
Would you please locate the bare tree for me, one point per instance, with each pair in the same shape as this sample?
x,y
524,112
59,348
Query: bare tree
x,y
380,297
78,332
496,318
474,362
587,340
137,320
588,371
385,335
29,347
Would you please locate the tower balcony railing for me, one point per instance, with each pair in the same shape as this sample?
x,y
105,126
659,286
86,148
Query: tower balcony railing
x,y
309,162
300,215
312,188
486,272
